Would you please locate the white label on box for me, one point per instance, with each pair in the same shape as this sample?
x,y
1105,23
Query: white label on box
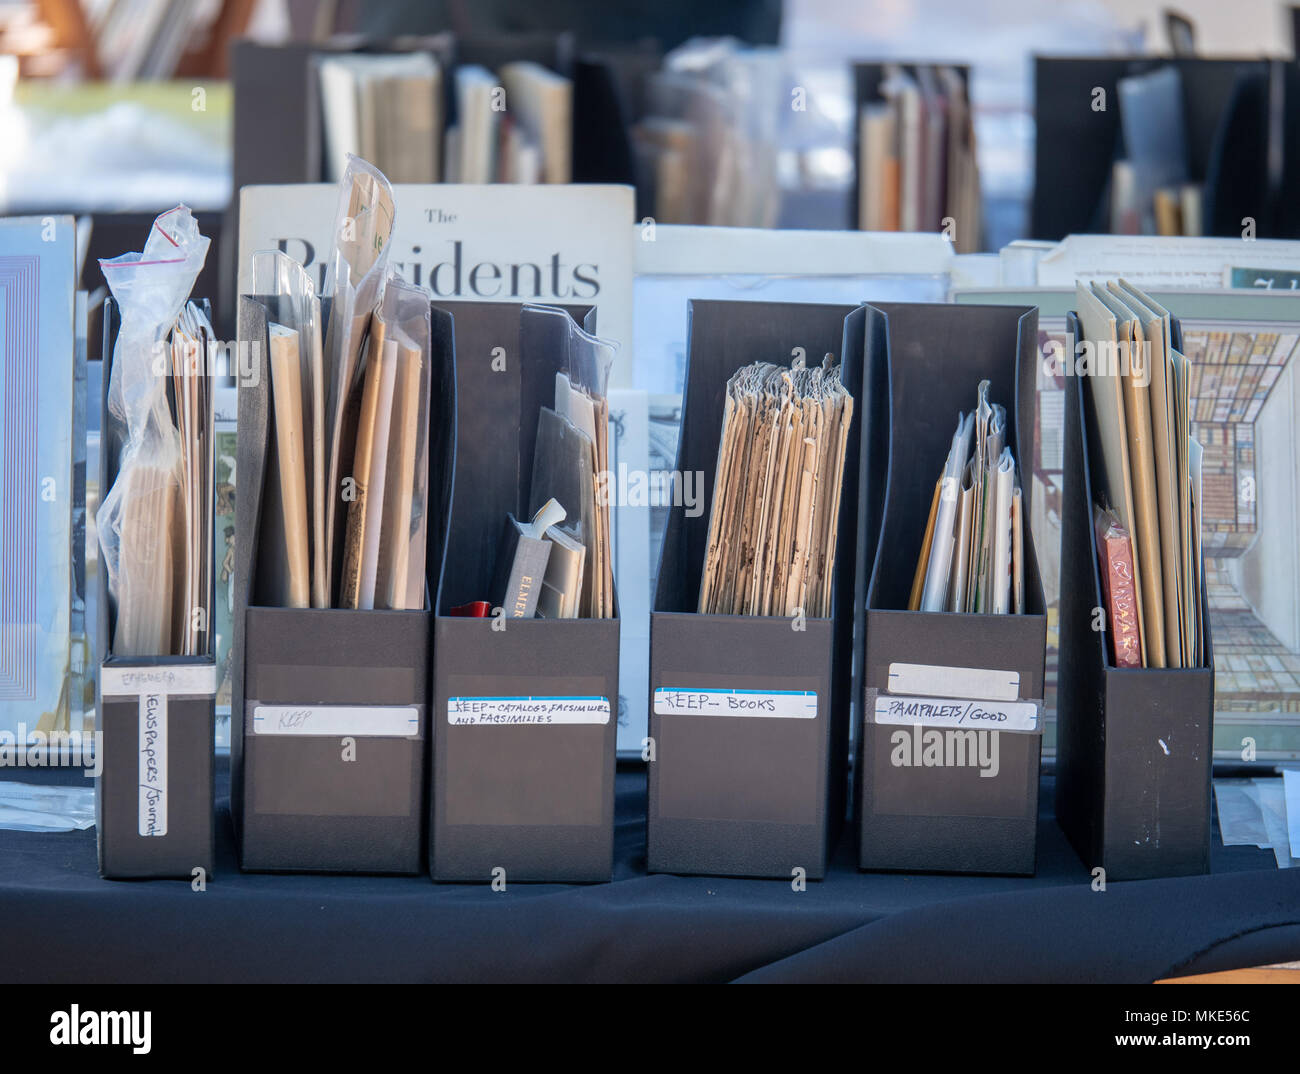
x,y
151,813
940,681
950,712
172,680
483,711
692,701
336,721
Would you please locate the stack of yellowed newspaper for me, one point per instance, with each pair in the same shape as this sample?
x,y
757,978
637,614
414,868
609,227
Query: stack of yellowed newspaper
x,y
776,498
972,556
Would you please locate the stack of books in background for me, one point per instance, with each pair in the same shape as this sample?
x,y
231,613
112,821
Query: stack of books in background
x,y
917,168
511,126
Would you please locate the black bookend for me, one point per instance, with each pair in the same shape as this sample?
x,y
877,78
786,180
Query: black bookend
x,y
154,796
525,710
328,706
735,790
1229,117
1134,745
936,792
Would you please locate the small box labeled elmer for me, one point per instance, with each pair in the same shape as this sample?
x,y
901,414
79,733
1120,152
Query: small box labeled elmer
x,y
525,652
949,745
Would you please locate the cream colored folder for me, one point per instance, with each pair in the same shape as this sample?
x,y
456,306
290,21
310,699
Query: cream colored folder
x,y
1154,324
286,391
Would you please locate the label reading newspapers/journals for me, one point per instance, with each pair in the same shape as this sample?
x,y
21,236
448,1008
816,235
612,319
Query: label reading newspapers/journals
x,y
696,701
151,813
516,711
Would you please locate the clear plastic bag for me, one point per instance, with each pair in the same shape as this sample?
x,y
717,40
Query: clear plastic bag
x,y
404,315
383,555
135,519
292,302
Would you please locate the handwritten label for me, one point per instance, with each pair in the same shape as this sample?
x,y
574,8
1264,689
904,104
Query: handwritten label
x,y
171,680
941,681
336,721
151,812
783,704
953,712
482,711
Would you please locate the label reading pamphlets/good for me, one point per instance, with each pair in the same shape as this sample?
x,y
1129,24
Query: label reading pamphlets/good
x,y
695,701
482,711
152,810
954,712
954,681
374,721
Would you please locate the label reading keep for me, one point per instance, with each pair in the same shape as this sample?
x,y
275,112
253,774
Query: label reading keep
x,y
697,701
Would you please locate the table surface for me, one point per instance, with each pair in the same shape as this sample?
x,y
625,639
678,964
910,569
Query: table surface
x,y
66,924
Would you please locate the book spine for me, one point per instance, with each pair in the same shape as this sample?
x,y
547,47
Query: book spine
x,y
526,574
1115,553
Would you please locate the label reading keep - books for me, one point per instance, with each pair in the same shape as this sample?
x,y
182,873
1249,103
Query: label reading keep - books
x,y
483,711
952,712
373,721
151,812
692,701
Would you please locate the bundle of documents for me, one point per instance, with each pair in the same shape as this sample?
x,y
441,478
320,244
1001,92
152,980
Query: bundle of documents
x,y
1137,416
917,163
155,522
560,565
972,555
776,499
386,109
351,417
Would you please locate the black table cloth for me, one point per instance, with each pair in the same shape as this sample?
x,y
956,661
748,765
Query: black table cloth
x,y
65,924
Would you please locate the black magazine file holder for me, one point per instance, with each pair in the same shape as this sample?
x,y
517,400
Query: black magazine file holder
x,y
536,801
137,837
749,795
1076,144
351,801
948,817
1134,745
